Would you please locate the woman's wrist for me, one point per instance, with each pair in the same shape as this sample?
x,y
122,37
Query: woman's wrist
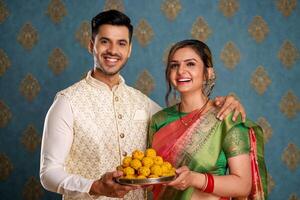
x,y
198,180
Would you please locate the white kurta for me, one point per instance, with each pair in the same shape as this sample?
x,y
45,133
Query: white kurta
x,y
87,132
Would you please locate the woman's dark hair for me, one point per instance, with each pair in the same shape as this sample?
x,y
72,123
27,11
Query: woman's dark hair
x,y
200,48
111,17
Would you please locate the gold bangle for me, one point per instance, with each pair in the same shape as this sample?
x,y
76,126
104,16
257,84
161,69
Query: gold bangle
x,y
205,182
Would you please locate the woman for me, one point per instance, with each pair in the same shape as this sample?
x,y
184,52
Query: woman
x,y
214,159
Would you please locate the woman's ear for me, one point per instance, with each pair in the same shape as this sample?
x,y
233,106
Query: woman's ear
x,y
91,46
211,73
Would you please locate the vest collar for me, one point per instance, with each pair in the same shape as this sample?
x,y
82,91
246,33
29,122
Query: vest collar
x,y
99,84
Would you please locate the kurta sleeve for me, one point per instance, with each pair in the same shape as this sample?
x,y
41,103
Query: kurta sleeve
x,y
56,144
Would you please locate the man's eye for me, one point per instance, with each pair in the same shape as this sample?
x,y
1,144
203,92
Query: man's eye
x,y
103,41
123,44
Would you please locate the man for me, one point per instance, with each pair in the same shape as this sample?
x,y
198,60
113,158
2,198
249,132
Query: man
x,y
97,121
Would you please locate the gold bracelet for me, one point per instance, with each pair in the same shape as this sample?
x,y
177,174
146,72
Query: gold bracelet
x,y
205,182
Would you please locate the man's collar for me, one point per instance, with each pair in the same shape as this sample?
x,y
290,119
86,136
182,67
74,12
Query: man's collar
x,y
99,84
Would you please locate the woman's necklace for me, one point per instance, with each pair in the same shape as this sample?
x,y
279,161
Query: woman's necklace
x,y
186,123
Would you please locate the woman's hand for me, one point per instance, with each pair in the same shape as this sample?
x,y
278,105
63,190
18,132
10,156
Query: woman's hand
x,y
184,179
229,104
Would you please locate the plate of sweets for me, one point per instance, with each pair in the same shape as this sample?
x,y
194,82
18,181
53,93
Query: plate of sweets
x,y
145,168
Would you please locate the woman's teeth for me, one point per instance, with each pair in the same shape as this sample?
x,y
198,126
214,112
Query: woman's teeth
x,y
184,80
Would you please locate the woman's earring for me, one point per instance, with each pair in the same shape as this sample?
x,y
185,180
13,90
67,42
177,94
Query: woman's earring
x,y
208,86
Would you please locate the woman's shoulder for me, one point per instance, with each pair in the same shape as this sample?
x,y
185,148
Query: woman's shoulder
x,y
228,123
171,110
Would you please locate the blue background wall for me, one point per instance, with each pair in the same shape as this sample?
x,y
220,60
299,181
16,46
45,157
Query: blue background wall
x,y
45,56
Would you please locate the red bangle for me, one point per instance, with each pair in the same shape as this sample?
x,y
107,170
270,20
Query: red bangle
x,y
210,184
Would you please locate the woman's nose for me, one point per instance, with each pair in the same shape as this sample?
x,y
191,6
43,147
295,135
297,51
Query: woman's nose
x,y
180,69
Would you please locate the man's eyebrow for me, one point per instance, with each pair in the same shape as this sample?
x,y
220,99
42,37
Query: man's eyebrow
x,y
123,40
104,38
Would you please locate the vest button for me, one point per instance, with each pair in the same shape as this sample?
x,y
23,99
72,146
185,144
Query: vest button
x,y
124,153
122,135
120,116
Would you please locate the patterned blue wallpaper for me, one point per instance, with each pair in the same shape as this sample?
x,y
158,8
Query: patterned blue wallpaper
x,y
256,55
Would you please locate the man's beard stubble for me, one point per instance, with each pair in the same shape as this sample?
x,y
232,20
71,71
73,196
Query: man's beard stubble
x,y
100,69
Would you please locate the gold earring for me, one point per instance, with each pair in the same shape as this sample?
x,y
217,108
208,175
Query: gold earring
x,y
208,86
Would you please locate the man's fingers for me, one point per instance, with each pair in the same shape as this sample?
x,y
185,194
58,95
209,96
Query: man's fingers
x,y
243,113
226,112
222,110
227,102
117,174
128,188
235,114
219,100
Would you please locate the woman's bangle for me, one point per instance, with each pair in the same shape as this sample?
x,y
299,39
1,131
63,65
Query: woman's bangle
x,y
205,183
210,183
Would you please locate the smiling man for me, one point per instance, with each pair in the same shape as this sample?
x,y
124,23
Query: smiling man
x,y
93,124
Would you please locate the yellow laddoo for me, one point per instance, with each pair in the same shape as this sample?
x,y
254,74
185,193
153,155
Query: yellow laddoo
x,y
145,171
147,161
120,168
130,176
153,176
142,165
170,172
135,164
150,152
164,169
137,154
156,170
128,171
126,161
158,160
167,165
141,177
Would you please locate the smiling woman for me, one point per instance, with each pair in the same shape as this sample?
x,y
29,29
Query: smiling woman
x,y
212,157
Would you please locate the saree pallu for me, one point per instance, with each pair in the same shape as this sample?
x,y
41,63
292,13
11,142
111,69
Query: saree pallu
x,y
201,144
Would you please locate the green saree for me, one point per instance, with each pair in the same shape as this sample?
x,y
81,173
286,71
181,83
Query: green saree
x,y
204,146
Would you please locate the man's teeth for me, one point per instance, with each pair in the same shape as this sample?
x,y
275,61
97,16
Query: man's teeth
x,y
183,80
112,59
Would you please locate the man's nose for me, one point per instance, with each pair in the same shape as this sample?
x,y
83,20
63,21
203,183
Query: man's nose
x,y
112,49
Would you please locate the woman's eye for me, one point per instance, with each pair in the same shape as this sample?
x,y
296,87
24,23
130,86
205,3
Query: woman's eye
x,y
190,64
173,66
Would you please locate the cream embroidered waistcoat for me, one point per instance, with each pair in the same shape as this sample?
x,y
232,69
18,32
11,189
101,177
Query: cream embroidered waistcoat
x,y
108,125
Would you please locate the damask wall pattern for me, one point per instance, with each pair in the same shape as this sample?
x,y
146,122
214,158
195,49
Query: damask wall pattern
x,y
256,49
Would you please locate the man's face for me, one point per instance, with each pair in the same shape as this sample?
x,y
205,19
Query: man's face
x,y
111,49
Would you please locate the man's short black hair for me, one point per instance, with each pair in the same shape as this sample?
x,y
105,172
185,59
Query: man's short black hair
x,y
111,17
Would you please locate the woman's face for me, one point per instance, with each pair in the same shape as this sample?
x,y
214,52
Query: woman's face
x,y
186,71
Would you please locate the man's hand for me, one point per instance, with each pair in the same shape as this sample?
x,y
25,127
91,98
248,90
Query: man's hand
x,y
228,104
106,186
